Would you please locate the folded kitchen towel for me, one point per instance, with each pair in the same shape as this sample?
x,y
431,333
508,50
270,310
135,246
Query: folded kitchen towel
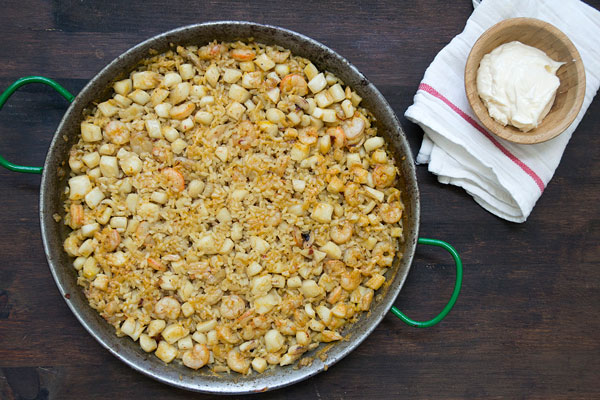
x,y
504,178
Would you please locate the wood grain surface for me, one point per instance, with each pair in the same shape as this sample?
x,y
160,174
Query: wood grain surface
x,y
525,326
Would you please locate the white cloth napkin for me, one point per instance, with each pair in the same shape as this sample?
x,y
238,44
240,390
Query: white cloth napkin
x,y
503,177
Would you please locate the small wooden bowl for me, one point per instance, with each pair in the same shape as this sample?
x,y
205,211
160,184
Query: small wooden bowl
x,y
570,93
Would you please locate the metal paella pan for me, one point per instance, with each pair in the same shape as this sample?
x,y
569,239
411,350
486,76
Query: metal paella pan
x,y
54,180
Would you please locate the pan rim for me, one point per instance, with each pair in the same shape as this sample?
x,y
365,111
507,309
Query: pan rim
x,y
241,386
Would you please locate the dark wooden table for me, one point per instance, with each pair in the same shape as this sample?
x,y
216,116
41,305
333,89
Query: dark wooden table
x,y
526,323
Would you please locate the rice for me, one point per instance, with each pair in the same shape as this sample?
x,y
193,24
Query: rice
x,y
231,206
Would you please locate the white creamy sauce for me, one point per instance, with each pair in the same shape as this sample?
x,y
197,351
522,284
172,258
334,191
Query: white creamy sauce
x,y
518,84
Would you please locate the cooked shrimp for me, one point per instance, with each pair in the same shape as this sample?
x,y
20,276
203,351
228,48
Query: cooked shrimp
x,y
338,136
242,54
117,132
226,335
351,194
294,83
341,234
76,211
142,230
335,295
167,307
109,239
237,362
351,280
384,175
391,213
354,130
246,135
232,306
182,111
245,316
156,265
353,256
300,102
334,268
211,51
174,179
308,135
383,252
197,357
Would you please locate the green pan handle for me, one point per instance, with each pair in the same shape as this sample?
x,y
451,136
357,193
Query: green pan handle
x,y
5,96
457,285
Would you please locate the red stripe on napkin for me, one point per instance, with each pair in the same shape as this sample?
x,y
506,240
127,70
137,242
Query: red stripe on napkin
x,y
426,88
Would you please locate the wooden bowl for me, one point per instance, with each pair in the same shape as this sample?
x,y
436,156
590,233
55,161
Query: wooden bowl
x,y
570,93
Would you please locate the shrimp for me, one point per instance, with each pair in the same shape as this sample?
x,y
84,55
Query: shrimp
x,y
211,51
341,234
109,239
351,280
383,252
353,256
334,268
245,317
294,83
300,102
227,335
384,175
246,135
308,135
174,179
354,130
232,306
167,307
242,54
335,295
338,136
117,132
197,357
156,265
391,213
351,193
182,111
76,211
237,362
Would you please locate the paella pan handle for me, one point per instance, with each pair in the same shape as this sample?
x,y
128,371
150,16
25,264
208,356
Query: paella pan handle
x,y
455,292
5,96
